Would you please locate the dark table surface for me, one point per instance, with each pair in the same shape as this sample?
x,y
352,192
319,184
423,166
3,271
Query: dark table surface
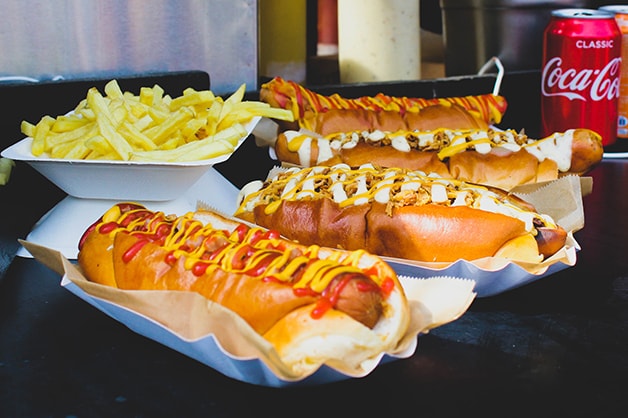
x,y
555,347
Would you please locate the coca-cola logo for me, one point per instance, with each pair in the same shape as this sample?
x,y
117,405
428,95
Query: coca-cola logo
x,y
576,85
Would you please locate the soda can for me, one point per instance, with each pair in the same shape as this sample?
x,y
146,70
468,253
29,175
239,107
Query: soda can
x,y
621,17
581,73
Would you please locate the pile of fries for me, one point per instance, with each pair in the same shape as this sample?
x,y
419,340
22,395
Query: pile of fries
x,y
150,126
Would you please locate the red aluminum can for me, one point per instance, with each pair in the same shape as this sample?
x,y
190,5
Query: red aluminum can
x,y
580,76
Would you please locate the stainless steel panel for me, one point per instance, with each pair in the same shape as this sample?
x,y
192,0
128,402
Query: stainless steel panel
x,y
44,39
476,30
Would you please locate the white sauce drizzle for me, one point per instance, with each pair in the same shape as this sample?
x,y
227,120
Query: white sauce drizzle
x,y
302,184
324,151
556,147
439,193
400,143
305,151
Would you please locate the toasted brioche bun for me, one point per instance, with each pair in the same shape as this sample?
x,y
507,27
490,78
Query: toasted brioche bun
x,y
97,261
431,117
421,233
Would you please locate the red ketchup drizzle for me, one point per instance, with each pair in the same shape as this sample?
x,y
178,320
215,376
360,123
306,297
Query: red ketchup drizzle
x,y
238,260
299,99
304,291
170,259
329,297
366,286
372,271
256,236
241,230
262,265
260,235
163,230
199,268
282,99
127,207
108,227
387,286
84,236
272,234
133,216
133,250
192,231
217,253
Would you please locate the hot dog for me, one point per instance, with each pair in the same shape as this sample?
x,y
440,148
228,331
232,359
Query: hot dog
x,y
427,118
503,159
293,295
307,104
400,213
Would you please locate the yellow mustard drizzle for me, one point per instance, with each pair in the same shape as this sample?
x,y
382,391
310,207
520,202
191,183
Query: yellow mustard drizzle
x,y
296,142
305,124
494,138
463,146
318,273
400,132
489,107
272,207
290,269
384,183
353,199
380,180
178,234
113,214
325,271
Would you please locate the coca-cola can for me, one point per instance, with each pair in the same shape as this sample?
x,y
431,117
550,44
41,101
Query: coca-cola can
x,y
580,75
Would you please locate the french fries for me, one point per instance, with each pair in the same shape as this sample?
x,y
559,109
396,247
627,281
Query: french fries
x,y
6,166
150,126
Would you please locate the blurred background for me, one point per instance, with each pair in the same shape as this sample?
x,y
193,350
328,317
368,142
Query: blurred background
x,y
455,37
247,41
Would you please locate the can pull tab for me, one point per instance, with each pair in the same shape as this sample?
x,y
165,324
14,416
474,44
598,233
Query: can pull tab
x,y
583,12
500,72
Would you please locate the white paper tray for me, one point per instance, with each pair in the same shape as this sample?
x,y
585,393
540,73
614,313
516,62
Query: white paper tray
x,y
62,227
487,282
120,180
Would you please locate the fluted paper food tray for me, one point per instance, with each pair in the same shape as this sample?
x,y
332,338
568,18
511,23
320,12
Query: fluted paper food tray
x,y
216,337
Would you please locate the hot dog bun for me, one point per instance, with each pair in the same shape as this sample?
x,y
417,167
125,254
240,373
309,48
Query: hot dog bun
x,y
503,159
306,104
351,304
399,213
427,118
